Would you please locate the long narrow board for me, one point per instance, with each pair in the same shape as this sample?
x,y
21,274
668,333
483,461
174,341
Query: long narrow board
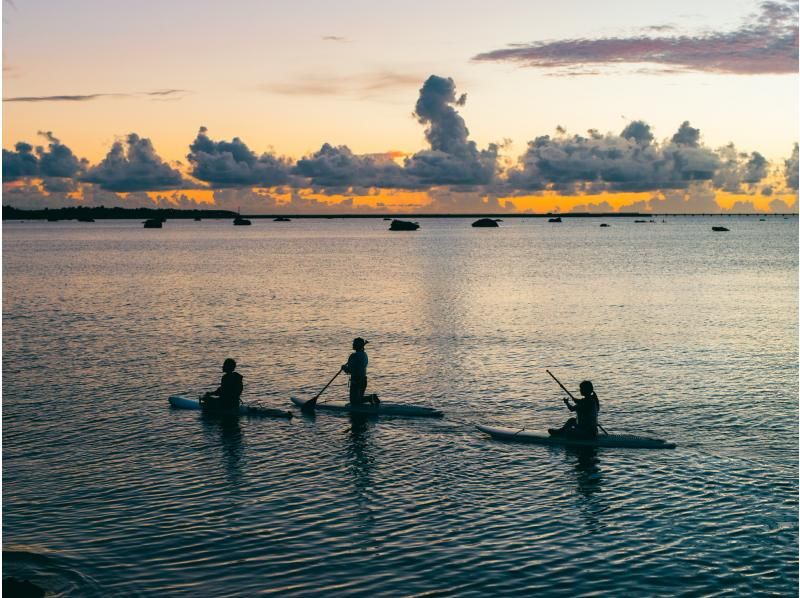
x,y
181,402
382,409
610,441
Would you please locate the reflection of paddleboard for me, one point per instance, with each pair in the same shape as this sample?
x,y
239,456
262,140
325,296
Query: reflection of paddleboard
x,y
181,402
610,441
367,409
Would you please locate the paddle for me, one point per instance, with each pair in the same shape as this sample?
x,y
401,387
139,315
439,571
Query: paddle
x,y
571,397
309,405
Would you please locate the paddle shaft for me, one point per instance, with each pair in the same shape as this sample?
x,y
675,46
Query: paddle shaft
x,y
310,404
564,388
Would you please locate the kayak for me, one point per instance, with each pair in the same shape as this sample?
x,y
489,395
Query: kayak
x,y
382,409
181,402
610,441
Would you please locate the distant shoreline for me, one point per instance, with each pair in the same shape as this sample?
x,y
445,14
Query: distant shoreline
x,y
103,213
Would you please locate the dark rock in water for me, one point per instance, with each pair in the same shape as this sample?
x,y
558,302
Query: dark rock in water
x,y
604,225
719,228
282,219
152,223
239,221
403,225
556,219
21,588
485,223
639,221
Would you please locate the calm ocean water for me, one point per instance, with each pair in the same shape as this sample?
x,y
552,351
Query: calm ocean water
x,y
687,334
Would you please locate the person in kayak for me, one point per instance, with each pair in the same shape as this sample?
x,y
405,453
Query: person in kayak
x,y
586,409
356,366
228,396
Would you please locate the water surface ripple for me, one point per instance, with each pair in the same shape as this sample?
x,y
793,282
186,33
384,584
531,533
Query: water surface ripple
x,y
687,335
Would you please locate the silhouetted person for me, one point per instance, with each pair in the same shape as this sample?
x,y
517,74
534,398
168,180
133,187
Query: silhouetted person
x,y
586,409
227,396
356,366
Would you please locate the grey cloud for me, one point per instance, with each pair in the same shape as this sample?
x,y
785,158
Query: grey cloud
x,y
628,162
133,166
453,159
58,160
52,163
791,170
334,38
21,162
232,163
339,168
766,43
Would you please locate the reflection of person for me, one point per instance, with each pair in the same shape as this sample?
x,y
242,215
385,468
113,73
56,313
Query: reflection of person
x,y
586,409
356,366
227,396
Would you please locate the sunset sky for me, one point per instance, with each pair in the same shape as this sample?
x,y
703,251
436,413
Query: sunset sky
x,y
341,106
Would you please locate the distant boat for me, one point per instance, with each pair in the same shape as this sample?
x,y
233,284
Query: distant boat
x,y
239,221
719,229
403,225
485,223
282,219
153,223
604,225
556,219
640,221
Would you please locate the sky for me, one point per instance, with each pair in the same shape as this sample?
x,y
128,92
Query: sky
x,y
333,107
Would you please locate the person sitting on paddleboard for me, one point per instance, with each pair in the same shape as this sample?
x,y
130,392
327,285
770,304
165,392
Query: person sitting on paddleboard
x,y
586,409
356,366
227,396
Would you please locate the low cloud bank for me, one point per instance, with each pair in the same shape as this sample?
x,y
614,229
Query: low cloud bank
x,y
455,173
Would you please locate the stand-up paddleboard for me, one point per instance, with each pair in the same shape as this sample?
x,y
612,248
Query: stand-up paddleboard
x,y
181,402
367,409
610,441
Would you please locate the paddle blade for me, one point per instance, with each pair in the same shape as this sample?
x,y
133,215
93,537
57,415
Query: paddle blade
x,y
308,406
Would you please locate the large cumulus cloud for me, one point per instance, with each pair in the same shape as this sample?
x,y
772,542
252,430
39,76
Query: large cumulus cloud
x,y
133,166
233,164
630,161
453,159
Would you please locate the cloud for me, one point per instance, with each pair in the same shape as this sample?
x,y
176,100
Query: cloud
x,y
452,158
680,171
626,162
94,96
133,166
766,44
338,168
21,162
740,172
232,163
362,85
334,38
56,165
791,170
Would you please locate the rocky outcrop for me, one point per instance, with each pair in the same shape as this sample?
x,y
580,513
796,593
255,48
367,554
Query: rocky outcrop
x,y
403,225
